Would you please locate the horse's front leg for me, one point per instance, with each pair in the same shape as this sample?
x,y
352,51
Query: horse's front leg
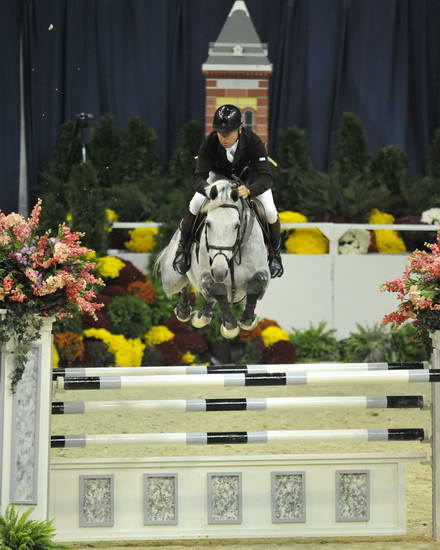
x,y
183,308
229,328
255,289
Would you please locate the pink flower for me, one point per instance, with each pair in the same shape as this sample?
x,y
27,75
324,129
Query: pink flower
x,y
35,214
7,283
17,296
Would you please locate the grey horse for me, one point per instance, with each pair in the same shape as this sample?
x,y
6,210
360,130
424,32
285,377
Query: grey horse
x,y
228,265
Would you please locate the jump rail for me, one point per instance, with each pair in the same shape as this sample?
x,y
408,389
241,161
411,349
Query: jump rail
x,y
255,379
223,369
221,438
241,404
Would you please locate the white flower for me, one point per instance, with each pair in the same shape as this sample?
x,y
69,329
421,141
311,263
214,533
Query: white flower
x,y
354,241
431,216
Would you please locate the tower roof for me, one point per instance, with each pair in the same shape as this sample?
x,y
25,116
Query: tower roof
x,y
238,47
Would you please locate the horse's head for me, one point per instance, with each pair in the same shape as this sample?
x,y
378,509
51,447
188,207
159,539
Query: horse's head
x,y
222,227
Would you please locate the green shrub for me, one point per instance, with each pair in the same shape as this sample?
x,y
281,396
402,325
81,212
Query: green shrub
x,y
366,345
315,344
20,533
129,316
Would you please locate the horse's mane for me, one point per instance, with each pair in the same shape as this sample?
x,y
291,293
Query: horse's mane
x,y
224,188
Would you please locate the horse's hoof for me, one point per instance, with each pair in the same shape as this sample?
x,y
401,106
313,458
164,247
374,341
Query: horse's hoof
x,y
200,321
248,324
229,333
180,315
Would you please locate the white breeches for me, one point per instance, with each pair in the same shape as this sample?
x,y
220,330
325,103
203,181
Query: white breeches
x,y
265,198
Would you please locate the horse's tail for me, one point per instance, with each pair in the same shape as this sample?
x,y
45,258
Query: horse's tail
x,y
156,266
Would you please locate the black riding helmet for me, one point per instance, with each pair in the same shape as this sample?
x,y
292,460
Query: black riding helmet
x,y
227,118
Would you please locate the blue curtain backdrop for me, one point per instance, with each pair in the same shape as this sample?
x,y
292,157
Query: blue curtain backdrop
x,y
377,58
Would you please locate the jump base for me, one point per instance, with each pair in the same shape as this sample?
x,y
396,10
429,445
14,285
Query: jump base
x,y
262,496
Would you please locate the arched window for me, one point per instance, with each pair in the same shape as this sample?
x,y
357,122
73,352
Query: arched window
x,y
248,119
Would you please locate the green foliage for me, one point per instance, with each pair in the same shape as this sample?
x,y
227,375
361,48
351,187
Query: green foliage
x,y
183,160
97,354
418,195
328,200
406,346
138,163
67,150
23,328
105,149
295,169
162,308
86,206
315,344
20,533
129,316
351,157
427,321
433,161
366,345
69,324
129,202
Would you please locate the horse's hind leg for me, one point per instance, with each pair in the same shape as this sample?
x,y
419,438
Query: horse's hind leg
x,y
183,308
203,317
254,292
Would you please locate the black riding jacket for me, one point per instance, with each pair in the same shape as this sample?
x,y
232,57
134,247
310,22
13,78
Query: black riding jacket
x,y
250,162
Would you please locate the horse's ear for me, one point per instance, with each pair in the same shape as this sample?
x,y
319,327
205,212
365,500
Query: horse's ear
x,y
234,195
213,192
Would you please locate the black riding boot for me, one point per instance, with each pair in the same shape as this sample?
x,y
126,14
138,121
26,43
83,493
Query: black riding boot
x,y
182,260
275,263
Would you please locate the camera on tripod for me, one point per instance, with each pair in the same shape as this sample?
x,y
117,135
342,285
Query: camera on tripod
x,y
83,118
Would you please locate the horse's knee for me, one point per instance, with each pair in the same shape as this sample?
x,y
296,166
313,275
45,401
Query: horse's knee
x,y
258,283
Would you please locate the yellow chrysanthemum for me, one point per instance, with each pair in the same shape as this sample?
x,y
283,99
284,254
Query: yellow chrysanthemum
x,y
272,334
111,215
380,217
142,239
91,254
387,241
306,241
69,218
292,217
158,334
188,358
55,357
128,352
109,266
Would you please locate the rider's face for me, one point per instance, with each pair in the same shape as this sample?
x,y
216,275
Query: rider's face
x,y
227,140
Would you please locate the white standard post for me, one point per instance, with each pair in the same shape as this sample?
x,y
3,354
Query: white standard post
x,y
435,392
25,428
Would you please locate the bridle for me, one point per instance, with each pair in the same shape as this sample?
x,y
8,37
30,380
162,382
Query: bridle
x,y
243,220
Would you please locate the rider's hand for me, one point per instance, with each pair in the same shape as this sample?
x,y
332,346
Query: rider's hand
x,y
243,191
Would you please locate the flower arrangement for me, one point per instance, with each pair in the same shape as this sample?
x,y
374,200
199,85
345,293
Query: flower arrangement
x,y
386,241
354,241
41,276
418,291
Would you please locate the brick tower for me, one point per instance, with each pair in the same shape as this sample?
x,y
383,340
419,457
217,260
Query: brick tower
x,y
237,71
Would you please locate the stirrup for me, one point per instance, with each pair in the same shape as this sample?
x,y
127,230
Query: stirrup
x,y
275,266
181,262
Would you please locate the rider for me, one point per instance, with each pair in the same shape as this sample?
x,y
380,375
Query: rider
x,y
230,150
